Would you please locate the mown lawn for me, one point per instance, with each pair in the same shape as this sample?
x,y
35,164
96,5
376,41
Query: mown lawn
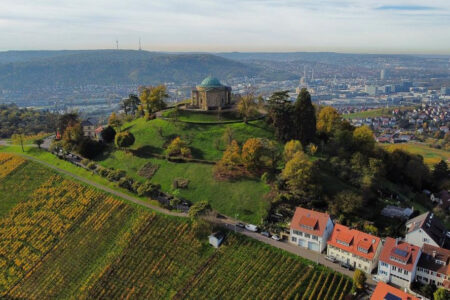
x,y
201,137
244,197
193,116
430,155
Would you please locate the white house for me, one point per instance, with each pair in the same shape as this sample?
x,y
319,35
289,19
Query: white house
x,y
310,229
354,247
398,262
88,129
427,228
434,266
216,239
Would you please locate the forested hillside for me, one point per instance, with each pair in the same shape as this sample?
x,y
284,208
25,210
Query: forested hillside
x,y
106,67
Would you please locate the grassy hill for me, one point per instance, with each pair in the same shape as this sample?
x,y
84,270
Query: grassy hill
x,y
244,197
72,241
430,155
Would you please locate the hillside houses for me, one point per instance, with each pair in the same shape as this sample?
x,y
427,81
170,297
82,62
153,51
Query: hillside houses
x,y
423,255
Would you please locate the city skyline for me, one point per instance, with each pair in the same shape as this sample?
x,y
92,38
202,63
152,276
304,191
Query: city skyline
x,y
211,26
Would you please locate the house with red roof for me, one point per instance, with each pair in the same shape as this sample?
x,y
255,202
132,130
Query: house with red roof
x,y
310,229
384,291
434,266
398,262
354,247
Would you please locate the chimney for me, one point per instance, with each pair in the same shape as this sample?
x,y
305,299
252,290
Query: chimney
x,y
434,253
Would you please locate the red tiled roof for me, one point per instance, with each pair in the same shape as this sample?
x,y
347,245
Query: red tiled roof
x,y
355,239
391,248
431,258
304,219
383,289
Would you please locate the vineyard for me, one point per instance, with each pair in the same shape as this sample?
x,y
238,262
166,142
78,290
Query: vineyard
x,y
65,240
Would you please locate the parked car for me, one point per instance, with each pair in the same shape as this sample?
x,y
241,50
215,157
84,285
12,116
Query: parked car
x,y
330,258
251,227
240,225
265,233
347,266
276,237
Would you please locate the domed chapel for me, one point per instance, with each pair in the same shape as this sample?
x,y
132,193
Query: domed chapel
x,y
211,94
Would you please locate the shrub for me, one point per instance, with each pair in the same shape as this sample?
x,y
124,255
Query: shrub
x,y
90,148
126,182
85,162
148,189
178,147
124,139
91,165
115,175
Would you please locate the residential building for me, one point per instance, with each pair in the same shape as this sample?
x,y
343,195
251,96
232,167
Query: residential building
x,y
384,291
310,229
427,228
354,247
88,129
398,261
434,266
216,239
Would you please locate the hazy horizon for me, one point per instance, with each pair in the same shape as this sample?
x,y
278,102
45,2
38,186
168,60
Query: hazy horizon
x,y
344,26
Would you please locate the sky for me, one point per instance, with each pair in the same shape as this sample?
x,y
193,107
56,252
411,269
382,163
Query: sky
x,y
357,26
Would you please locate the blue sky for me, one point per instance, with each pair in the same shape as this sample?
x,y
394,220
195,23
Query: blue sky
x,y
375,26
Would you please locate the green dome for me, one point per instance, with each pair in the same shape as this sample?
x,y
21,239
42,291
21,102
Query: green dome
x,y
210,82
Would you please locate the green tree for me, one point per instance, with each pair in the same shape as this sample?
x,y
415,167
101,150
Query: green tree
x,y
279,97
153,98
115,121
299,174
363,139
305,117
130,104
440,171
290,148
38,142
202,228
66,120
124,139
108,134
441,294
328,120
228,135
178,147
18,139
346,202
359,279
247,106
252,152
230,165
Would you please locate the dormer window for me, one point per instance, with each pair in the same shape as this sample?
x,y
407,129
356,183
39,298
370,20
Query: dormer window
x,y
360,249
343,243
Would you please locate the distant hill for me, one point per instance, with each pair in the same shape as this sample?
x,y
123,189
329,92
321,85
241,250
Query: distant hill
x,y
24,69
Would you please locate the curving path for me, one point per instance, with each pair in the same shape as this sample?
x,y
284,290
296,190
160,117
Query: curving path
x,y
105,188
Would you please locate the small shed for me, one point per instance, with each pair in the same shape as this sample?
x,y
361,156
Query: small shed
x,y
216,239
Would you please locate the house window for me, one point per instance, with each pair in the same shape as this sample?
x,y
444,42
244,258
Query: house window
x,y
405,272
294,239
307,235
394,268
315,237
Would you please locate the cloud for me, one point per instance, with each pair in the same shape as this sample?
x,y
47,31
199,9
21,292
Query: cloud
x,y
406,7
218,25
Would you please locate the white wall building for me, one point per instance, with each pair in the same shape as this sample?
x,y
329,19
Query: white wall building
x,y
427,228
398,262
434,266
310,229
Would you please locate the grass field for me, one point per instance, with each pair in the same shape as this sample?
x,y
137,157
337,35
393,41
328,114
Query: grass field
x,y
372,113
244,197
430,155
193,116
201,138
64,240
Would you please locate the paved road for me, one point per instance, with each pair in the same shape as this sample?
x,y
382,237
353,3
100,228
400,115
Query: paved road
x,y
305,253
225,222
